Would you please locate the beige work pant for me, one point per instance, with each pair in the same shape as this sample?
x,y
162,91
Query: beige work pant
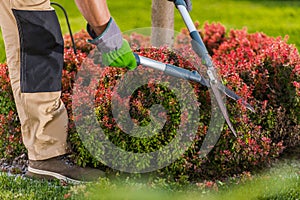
x,y
42,114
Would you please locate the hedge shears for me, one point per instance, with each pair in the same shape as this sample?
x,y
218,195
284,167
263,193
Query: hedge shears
x,y
200,49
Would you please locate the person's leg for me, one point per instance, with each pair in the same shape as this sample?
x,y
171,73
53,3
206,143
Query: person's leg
x,y
35,71
34,48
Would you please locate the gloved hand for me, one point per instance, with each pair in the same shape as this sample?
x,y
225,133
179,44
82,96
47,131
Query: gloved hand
x,y
114,50
188,4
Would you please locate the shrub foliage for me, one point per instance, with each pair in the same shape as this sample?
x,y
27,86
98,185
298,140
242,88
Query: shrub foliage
x,y
265,71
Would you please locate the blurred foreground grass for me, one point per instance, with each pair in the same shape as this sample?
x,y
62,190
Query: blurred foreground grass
x,y
281,182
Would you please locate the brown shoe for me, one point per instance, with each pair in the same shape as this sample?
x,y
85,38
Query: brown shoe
x,y
61,168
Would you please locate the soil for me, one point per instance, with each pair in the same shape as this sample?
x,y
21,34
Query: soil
x,y
16,166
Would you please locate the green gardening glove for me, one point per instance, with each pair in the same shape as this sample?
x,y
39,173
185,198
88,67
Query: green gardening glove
x,y
122,57
114,50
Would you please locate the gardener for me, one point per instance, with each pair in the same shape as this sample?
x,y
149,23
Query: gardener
x,y
34,51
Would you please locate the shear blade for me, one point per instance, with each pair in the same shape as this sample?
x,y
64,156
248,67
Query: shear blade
x,y
234,96
221,105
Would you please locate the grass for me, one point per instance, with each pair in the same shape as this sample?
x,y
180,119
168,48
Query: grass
x,y
16,187
279,182
275,18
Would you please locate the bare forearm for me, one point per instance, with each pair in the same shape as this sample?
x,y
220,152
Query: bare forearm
x,y
95,12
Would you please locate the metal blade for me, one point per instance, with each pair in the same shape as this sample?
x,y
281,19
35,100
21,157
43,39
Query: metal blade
x,y
234,96
217,94
222,107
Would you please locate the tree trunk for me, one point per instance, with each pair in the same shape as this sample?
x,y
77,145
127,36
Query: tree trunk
x,y
162,23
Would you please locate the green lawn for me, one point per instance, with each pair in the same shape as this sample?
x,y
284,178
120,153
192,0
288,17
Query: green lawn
x,y
275,18
281,182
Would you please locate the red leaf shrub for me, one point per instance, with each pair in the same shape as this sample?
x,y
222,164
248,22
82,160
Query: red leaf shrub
x,y
80,41
265,71
214,36
253,65
10,131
